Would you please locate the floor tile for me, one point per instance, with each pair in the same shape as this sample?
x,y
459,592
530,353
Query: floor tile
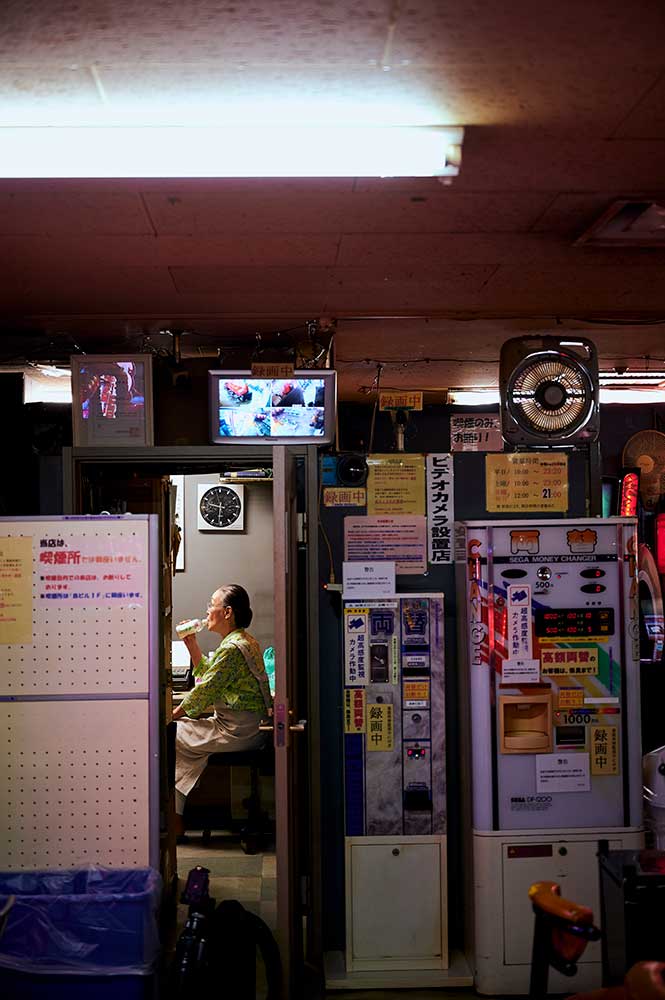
x,y
235,888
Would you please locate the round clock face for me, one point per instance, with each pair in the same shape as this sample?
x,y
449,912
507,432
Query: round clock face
x,y
220,506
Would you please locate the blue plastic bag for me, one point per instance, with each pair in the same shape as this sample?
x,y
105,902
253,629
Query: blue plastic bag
x,y
90,920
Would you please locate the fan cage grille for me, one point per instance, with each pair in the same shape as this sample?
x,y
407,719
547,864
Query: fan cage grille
x,y
527,406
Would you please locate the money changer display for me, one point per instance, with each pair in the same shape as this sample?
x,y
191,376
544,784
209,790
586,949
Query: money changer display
x,y
551,639
395,783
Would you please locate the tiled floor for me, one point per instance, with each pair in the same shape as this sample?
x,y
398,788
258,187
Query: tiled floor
x,y
251,879
233,875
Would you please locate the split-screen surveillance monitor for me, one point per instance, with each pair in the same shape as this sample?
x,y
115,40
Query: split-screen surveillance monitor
x,y
298,409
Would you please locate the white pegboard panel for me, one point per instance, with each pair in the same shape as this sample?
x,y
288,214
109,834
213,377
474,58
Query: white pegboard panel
x,y
90,609
75,785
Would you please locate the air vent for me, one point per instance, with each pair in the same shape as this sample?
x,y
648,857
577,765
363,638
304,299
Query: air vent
x,y
627,224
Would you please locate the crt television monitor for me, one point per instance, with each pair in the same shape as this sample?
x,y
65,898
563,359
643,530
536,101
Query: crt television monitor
x,y
299,409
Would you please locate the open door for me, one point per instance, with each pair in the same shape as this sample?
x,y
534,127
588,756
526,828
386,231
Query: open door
x,y
289,727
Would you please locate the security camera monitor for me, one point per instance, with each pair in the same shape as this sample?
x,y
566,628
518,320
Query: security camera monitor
x,y
297,409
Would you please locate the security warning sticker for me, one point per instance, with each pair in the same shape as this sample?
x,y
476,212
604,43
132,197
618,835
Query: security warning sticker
x,y
572,662
519,622
562,772
379,726
394,659
569,697
355,647
354,710
415,694
604,750
520,672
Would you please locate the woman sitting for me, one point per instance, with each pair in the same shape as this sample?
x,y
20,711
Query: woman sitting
x,y
233,682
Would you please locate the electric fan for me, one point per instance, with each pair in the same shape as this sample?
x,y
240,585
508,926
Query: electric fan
x,y
549,392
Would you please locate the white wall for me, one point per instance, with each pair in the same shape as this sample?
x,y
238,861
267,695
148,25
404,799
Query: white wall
x,y
213,558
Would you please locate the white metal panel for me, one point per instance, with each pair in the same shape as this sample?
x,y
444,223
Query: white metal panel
x,y
396,903
87,644
75,784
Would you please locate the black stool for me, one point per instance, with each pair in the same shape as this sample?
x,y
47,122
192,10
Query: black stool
x,y
257,829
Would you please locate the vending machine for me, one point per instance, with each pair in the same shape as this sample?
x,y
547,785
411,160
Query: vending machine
x,y
395,784
551,705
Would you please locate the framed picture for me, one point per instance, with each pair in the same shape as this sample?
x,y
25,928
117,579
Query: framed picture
x,y
112,400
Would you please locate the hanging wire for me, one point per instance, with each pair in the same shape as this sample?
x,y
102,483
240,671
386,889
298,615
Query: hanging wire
x,y
376,387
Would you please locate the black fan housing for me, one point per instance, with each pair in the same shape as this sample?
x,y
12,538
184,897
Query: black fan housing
x,y
549,392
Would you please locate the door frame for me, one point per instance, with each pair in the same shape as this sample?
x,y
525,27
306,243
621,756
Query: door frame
x,y
165,459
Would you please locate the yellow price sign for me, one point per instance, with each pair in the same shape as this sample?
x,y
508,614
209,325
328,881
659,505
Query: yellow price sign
x,y
524,482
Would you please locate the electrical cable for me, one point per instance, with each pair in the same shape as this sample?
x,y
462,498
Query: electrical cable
x,y
324,534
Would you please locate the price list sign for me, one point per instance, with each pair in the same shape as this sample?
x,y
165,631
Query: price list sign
x,y
526,482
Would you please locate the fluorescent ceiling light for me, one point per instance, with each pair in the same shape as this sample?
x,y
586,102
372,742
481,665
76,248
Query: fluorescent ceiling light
x,y
648,395
623,394
41,385
230,151
474,397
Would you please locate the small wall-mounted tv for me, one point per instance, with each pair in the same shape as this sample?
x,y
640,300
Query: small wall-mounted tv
x,y
299,409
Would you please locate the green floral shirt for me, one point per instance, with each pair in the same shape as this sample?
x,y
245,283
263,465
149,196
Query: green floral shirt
x,y
226,679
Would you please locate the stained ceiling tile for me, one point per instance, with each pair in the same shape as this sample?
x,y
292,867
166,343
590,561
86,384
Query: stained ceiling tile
x,y
57,209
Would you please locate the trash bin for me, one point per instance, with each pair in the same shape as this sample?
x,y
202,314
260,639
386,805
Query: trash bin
x,y
632,886
74,935
653,777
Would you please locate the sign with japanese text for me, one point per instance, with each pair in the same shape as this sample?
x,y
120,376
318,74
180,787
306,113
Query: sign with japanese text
x,y
356,642
361,580
440,508
401,539
354,710
265,369
520,672
476,432
396,484
604,750
344,496
396,399
415,694
582,662
562,772
570,697
87,570
15,590
379,727
526,481
519,622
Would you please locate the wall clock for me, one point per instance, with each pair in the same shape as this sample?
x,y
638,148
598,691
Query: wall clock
x,y
220,507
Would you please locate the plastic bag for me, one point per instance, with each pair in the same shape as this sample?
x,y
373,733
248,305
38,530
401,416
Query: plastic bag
x,y
269,664
88,920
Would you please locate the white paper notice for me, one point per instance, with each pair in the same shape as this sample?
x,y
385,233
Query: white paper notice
x,y
370,579
520,672
401,539
563,772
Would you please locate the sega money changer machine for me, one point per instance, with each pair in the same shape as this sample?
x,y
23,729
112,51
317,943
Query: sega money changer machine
x,y
552,691
395,786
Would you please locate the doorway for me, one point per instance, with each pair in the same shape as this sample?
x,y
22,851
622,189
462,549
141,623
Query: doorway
x,y
138,481
225,525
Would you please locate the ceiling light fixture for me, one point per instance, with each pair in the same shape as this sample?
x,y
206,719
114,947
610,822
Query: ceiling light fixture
x,y
230,151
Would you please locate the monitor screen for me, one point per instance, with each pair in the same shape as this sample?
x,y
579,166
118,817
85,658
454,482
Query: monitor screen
x,y
297,409
112,400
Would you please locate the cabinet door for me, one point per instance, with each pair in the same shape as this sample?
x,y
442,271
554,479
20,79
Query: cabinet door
x,y
574,866
396,904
